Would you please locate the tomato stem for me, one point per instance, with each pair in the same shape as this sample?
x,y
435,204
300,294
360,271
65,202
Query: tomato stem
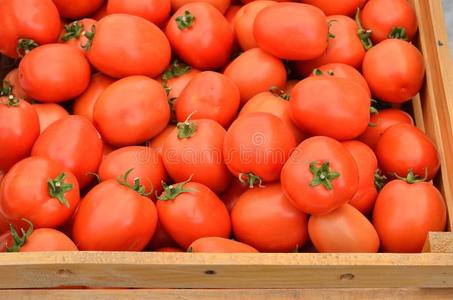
x,y
185,21
251,179
72,31
322,175
176,69
11,101
412,178
90,36
398,33
172,191
18,242
276,91
7,89
137,187
364,35
57,188
187,128
24,46
379,179
319,72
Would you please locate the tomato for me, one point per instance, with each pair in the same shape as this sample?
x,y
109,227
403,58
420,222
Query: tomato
x,y
219,245
107,149
221,5
145,163
389,19
84,104
210,95
243,22
115,216
170,249
232,193
367,164
330,106
403,148
73,33
26,24
131,111
394,70
268,71
292,31
265,219
382,120
290,84
77,9
74,142
156,11
231,13
40,190
200,24
194,149
44,78
343,7
161,239
100,13
19,128
157,142
346,47
11,80
406,212
320,176
176,77
126,45
257,146
343,230
49,113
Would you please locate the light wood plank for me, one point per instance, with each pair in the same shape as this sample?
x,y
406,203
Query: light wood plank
x,y
439,242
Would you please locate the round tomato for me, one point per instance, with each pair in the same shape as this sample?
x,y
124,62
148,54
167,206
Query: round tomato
x,y
403,148
74,142
131,111
49,113
320,175
74,34
11,85
342,7
343,230
231,13
156,11
100,13
44,77
161,239
176,77
219,245
221,5
232,193
265,219
189,211
77,9
157,142
170,249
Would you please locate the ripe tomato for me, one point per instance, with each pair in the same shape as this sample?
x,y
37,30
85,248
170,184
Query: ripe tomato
x,y
343,230
268,71
382,120
320,176
389,19
200,24
343,7
40,190
405,212
231,13
189,211
403,148
27,23
11,81
161,239
219,245
126,45
157,142
265,219
156,11
77,9
340,103
100,13
232,193
394,70
170,249
257,146
73,34
115,216
176,77
210,95
131,111
44,77
221,5
74,142
292,31
49,113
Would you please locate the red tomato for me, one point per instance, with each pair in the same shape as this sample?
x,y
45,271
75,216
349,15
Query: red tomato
x,y
340,103
382,120
100,13
367,164
26,24
219,245
342,7
320,176
49,113
257,146
77,9
131,111
176,77
221,5
231,13
161,239
394,70
12,80
265,219
125,45
74,142
268,71
170,249
389,19
156,11
44,77
232,193
403,148
343,230
74,33
189,211
157,142
291,31
107,149
4,223
404,214
202,26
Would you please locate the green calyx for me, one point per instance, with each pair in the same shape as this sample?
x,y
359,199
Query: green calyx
x,y
185,21
398,33
322,175
11,101
136,187
90,36
251,180
379,180
330,35
57,188
6,90
174,190
72,31
363,34
24,46
319,72
19,242
412,178
276,91
187,128
176,69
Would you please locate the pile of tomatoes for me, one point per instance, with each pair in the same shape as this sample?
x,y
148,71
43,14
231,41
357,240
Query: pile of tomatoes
x,y
210,126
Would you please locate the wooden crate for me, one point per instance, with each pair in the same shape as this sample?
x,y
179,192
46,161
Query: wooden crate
x,y
273,276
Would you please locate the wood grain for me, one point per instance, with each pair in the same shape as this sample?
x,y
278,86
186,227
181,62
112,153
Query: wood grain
x,y
439,242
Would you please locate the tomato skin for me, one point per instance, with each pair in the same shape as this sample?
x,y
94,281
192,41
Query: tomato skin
x,y
79,42
170,249
155,11
77,9
265,219
231,195
74,142
296,176
141,45
41,240
157,142
112,205
210,31
161,239
344,7
344,106
231,13
49,113
405,213
394,70
100,13
221,5
178,84
194,214
131,111
343,230
292,31
220,245
12,78
268,71
404,147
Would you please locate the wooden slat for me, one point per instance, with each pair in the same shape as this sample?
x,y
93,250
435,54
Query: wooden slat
x,y
439,242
